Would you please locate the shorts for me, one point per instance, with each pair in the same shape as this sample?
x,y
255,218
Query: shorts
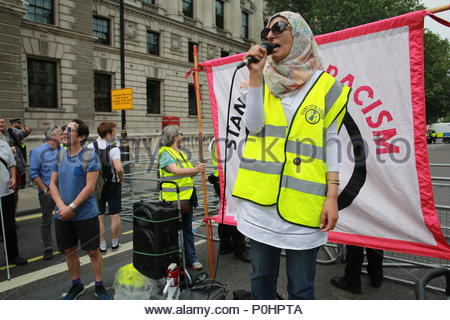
x,y
111,194
70,233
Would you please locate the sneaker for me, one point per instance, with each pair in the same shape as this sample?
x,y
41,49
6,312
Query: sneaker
x,y
48,254
114,248
103,251
75,291
196,266
102,294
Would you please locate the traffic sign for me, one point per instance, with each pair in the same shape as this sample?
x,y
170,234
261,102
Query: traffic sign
x,y
122,99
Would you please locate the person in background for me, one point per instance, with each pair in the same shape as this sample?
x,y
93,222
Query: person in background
x,y
351,281
16,123
14,136
72,187
42,161
7,183
113,176
63,143
175,166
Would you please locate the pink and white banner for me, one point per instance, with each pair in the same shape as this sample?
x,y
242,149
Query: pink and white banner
x,y
386,198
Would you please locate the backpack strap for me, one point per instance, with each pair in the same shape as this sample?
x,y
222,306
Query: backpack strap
x,y
85,161
4,162
107,150
86,158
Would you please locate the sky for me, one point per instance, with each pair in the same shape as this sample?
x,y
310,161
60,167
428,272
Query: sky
x,y
434,26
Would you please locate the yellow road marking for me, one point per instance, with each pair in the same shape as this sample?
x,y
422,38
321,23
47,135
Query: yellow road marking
x,y
61,267
52,270
29,217
42,257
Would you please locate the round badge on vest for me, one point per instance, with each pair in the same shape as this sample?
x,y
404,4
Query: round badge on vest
x,y
297,161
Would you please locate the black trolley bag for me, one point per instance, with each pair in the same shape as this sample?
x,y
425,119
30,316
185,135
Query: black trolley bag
x,y
157,239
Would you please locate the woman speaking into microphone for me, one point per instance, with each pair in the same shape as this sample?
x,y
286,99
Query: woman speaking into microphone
x,y
288,178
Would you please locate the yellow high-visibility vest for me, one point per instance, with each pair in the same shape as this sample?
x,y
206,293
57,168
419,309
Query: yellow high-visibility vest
x,y
285,165
185,183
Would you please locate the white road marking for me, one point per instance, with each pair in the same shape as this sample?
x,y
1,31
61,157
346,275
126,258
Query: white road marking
x,y
435,146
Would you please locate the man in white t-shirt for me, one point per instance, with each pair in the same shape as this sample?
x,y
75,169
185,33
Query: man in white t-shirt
x,y
113,175
7,183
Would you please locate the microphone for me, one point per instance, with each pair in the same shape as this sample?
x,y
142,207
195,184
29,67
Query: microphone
x,y
269,48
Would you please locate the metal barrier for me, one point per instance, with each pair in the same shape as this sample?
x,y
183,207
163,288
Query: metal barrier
x,y
141,184
421,284
407,268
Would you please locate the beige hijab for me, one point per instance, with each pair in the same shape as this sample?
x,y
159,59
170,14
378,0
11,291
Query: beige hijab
x,y
297,68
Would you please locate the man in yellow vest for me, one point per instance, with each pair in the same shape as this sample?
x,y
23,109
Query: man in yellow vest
x,y
433,136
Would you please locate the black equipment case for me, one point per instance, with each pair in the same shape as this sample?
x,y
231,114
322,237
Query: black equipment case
x,y
155,237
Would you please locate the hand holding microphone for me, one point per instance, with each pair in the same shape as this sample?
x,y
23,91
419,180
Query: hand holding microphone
x,y
256,56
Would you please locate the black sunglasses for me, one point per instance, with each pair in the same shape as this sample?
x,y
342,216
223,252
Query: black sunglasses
x,y
276,29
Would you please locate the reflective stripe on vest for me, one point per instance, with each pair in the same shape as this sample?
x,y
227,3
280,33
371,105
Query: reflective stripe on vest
x,y
185,183
285,165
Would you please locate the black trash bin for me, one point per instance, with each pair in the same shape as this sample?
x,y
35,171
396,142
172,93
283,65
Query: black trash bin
x,y
155,237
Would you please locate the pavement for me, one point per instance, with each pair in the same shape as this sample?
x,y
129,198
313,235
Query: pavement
x,y
43,280
28,201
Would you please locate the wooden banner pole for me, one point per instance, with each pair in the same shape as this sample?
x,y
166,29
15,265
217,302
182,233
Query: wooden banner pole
x,y
209,233
445,7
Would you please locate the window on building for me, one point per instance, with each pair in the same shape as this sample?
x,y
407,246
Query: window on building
x,y
192,100
153,96
153,43
219,14
149,5
224,53
102,92
40,11
42,84
191,50
245,25
188,8
100,29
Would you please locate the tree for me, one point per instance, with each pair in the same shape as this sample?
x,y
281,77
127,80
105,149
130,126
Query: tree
x,y
437,76
332,15
326,16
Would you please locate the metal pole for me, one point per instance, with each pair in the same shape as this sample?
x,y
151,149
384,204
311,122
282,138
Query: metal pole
x,y
4,242
124,146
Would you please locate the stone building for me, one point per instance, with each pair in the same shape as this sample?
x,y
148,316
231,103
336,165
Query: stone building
x,y
59,59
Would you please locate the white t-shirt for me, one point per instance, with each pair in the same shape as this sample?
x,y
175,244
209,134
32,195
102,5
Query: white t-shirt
x,y
7,155
114,154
